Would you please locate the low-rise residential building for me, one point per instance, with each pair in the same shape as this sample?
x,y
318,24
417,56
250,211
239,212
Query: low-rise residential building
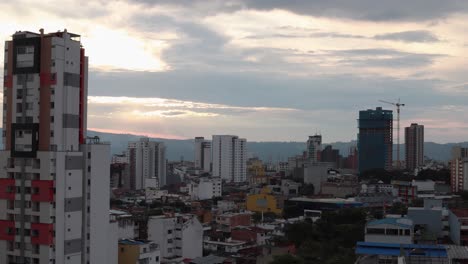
x,y
458,221
126,224
205,188
405,191
390,230
226,206
339,189
227,246
255,235
180,236
375,200
226,222
431,220
138,252
377,188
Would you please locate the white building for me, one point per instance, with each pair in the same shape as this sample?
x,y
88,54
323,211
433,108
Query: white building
x,y
203,154
54,185
205,188
227,246
179,237
226,206
314,145
147,160
229,158
390,230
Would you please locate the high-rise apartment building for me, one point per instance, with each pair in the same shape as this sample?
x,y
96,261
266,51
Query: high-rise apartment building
x,y
229,158
375,139
414,146
54,183
314,147
147,161
328,154
459,169
203,153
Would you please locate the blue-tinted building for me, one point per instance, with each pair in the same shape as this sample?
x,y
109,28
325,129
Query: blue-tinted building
x,y
375,139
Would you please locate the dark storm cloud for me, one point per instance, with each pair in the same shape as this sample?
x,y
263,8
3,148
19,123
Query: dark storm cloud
x,y
409,36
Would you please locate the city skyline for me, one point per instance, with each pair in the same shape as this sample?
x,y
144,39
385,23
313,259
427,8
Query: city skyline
x,y
265,71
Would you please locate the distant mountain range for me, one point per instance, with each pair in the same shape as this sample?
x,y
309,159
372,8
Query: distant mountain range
x,y
267,151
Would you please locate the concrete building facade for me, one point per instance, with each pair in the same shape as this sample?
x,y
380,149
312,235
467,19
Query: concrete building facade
x,y
230,158
205,188
179,237
147,160
54,188
314,147
459,169
414,146
390,230
202,154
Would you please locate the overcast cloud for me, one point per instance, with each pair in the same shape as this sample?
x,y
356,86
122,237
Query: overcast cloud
x,y
265,70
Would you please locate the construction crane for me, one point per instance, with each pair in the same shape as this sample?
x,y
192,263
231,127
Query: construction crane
x,y
398,105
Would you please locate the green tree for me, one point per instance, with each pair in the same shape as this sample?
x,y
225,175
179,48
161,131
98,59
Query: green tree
x,y
398,208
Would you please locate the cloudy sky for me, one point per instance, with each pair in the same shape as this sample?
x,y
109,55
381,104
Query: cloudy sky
x,y
264,70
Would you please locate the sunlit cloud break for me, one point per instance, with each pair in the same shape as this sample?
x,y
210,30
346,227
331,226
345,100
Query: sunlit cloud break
x,y
173,104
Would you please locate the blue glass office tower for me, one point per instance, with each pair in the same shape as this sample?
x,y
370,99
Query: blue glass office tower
x,y
375,139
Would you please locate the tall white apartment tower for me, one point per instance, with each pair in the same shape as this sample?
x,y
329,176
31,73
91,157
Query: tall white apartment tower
x,y
54,195
147,160
314,145
202,153
229,158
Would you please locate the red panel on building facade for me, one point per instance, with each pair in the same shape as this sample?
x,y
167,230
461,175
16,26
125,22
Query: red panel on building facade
x,y
42,234
7,230
48,79
43,191
8,81
7,189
